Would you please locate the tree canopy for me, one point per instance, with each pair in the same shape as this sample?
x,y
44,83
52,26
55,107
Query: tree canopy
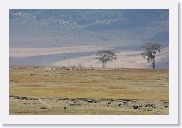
x,y
149,52
105,55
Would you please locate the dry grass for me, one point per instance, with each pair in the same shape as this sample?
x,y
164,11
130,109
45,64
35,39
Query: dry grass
x,y
141,85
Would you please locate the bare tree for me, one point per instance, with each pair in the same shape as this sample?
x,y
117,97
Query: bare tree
x,y
149,52
104,56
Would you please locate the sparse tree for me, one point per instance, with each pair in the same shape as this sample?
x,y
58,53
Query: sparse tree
x,y
104,56
149,52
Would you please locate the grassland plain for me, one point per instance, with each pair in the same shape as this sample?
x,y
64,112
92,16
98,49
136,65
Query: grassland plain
x,y
87,91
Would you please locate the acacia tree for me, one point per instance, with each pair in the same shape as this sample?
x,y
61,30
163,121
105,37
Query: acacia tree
x,y
149,52
104,56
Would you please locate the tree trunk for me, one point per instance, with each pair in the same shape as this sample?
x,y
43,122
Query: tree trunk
x,y
103,65
153,63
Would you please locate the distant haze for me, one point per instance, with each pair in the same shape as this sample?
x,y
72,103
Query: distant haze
x,y
71,37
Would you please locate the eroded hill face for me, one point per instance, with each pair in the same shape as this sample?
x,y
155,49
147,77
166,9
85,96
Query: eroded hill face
x,y
64,37
56,90
126,28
